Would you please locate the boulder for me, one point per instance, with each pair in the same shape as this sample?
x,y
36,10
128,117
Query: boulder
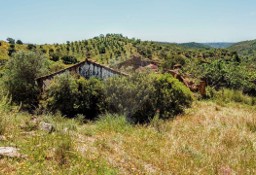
x,y
46,127
10,152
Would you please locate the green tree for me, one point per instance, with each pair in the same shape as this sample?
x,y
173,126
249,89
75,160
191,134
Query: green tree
x,y
11,40
19,77
19,42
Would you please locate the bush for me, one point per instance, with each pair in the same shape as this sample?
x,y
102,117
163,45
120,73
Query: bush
x,y
54,57
172,60
31,47
11,50
56,66
69,59
62,95
140,96
71,96
132,96
91,97
19,77
172,96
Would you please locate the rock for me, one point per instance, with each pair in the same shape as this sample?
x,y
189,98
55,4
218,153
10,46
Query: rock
x,y
65,130
10,152
2,138
47,127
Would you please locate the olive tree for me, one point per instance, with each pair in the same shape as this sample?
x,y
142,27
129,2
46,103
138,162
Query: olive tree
x,y
19,76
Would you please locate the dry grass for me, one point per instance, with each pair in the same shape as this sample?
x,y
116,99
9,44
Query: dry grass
x,y
207,139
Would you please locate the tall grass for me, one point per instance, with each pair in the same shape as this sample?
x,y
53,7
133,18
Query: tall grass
x,y
113,123
228,95
4,106
3,125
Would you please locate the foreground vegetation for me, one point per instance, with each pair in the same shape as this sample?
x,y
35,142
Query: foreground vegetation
x,y
210,138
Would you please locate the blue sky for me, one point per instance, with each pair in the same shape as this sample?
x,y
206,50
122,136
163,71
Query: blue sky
x,y
51,21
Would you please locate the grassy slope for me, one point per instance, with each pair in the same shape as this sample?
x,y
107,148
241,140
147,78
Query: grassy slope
x,y
207,139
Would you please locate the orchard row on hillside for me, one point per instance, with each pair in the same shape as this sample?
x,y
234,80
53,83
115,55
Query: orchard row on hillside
x,y
219,67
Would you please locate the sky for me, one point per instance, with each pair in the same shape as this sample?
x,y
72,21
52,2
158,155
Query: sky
x,y
58,21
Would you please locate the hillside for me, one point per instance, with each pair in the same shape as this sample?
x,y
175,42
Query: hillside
x,y
112,49
195,45
197,61
219,45
245,48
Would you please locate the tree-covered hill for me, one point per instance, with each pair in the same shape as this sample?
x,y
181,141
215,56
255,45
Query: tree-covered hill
x,y
245,48
112,49
219,45
195,45
216,45
220,67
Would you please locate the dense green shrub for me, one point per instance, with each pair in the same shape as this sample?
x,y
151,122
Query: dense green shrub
x,y
19,76
31,47
90,98
133,96
172,96
62,95
73,96
11,50
54,57
69,59
140,96
172,60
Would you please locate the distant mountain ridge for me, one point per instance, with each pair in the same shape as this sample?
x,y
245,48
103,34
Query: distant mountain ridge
x,y
195,45
217,45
